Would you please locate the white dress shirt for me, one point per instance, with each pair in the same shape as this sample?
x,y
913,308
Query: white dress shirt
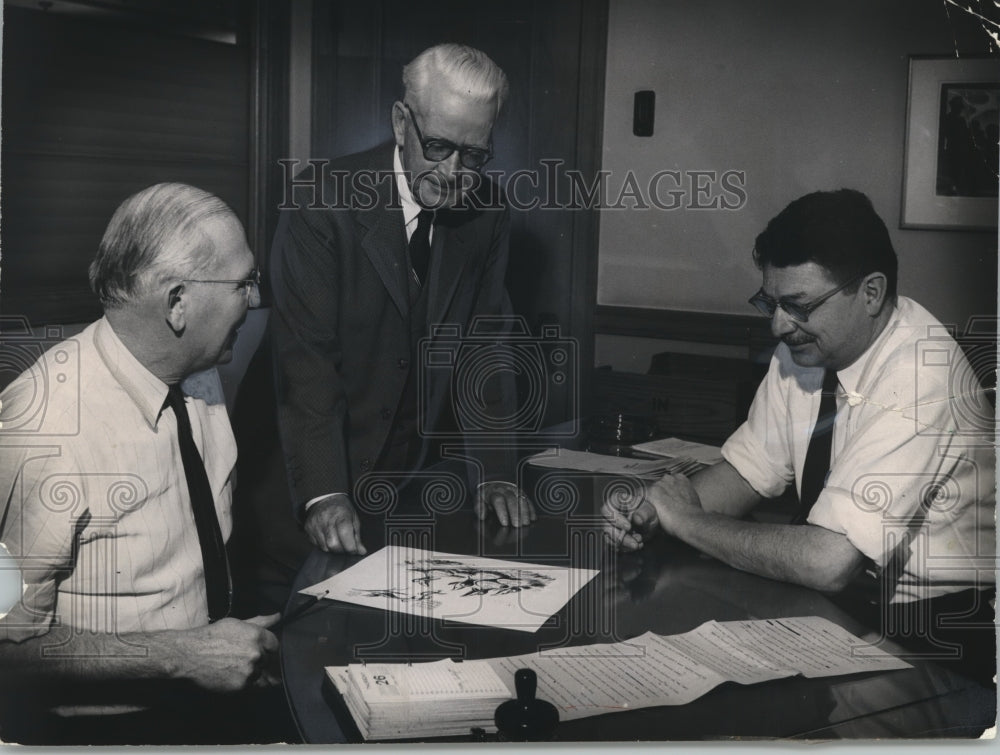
x,y
913,466
410,207
98,515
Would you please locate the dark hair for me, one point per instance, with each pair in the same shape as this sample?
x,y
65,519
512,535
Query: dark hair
x,y
838,230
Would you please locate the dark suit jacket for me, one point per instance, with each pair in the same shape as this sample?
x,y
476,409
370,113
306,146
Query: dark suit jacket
x,y
342,345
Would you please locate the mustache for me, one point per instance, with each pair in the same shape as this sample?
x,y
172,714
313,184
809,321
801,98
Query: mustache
x,y
460,179
797,341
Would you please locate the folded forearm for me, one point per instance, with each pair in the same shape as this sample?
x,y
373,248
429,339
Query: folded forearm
x,y
221,657
804,555
65,655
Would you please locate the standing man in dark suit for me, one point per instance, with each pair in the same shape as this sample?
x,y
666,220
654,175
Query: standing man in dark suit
x,y
404,237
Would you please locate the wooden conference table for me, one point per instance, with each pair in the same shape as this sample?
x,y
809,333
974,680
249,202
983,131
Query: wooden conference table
x,y
667,587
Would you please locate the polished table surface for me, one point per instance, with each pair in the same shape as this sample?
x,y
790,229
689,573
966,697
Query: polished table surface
x,y
667,587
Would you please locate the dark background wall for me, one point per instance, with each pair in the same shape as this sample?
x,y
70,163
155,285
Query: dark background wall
x,y
97,105
795,95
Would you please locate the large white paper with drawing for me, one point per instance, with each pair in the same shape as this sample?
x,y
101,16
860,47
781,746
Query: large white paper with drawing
x,y
450,587
391,701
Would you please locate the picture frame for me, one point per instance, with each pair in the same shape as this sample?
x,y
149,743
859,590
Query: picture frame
x,y
950,160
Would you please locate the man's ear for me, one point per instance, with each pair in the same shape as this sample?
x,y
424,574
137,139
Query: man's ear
x,y
873,288
176,316
399,122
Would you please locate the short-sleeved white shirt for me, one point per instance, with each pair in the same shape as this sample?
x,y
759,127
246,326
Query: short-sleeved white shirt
x,y
912,475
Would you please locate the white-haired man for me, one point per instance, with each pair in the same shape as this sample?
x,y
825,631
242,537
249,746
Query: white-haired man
x,y
116,493
410,235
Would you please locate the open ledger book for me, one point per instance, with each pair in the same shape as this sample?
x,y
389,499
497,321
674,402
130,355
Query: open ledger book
x,y
447,698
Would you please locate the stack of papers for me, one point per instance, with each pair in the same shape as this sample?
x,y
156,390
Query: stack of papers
x,y
443,698
402,701
675,448
585,461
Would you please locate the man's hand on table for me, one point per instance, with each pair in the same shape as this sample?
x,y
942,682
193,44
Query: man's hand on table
x,y
505,499
628,525
227,656
672,495
628,528
333,526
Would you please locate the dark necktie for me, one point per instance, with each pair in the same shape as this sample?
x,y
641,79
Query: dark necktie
x,y
420,245
218,584
820,444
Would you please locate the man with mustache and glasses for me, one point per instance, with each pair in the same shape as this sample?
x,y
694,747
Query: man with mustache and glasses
x,y
860,410
410,235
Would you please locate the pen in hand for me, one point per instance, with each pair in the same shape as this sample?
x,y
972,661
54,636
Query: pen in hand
x,y
298,611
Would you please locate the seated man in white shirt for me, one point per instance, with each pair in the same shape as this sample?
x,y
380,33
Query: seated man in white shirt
x,y
127,589
895,470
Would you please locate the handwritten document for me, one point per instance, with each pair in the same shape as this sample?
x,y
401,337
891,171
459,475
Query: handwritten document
x,y
452,587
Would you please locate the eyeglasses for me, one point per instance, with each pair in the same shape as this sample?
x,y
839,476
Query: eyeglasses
x,y
435,150
800,312
251,286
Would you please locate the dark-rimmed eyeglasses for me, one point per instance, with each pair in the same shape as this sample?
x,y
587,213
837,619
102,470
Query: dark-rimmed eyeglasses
x,y
799,312
251,286
435,149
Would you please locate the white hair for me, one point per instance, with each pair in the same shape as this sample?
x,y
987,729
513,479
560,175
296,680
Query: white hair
x,y
153,234
463,68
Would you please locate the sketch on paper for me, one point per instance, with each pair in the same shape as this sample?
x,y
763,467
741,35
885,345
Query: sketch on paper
x,y
451,587
458,577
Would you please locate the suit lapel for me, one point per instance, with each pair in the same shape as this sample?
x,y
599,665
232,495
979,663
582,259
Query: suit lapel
x,y
384,241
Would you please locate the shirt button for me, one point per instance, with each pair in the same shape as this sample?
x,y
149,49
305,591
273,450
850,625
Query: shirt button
x,y
386,413
404,363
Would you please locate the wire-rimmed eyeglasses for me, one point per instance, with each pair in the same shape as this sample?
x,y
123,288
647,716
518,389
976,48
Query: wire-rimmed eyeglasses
x,y
251,285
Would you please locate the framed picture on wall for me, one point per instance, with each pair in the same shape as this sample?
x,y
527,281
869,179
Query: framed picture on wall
x,y
950,165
